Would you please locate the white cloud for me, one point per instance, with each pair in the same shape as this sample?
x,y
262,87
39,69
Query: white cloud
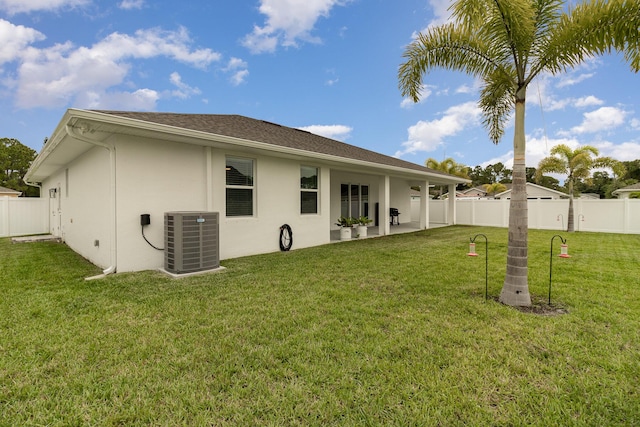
x,y
239,77
537,148
24,6
183,91
464,89
63,73
236,63
14,39
441,15
339,132
425,92
287,23
131,4
429,135
570,79
239,69
587,101
625,152
139,100
602,119
541,92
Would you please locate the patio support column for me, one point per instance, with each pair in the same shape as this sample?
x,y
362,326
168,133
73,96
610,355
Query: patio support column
x,y
451,217
424,205
384,202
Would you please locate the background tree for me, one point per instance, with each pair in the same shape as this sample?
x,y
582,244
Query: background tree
x,y
449,166
494,188
490,174
505,44
15,159
545,181
577,164
632,172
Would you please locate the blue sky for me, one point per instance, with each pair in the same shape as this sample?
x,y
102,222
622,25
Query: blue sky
x,y
328,66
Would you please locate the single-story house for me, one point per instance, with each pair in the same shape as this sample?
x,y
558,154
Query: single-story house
x,y
468,193
625,192
8,192
103,170
535,191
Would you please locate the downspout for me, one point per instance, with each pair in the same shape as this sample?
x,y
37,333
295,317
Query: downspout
x,y
34,184
73,132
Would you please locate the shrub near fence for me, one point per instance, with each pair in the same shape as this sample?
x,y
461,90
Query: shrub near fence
x,y
605,215
21,216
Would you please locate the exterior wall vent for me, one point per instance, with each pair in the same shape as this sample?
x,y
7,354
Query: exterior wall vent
x,y
191,241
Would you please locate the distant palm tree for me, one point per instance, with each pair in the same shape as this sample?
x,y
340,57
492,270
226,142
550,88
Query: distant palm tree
x,y
505,44
449,166
494,188
577,164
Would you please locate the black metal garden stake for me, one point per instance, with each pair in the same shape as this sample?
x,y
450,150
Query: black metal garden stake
x,y
563,254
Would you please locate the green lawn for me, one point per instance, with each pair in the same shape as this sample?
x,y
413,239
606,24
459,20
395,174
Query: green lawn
x,y
385,331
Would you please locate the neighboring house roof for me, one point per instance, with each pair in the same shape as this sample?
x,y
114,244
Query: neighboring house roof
x,y
628,189
535,188
233,129
472,192
468,193
4,191
590,196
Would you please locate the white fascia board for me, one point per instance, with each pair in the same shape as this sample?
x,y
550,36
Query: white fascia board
x,y
52,142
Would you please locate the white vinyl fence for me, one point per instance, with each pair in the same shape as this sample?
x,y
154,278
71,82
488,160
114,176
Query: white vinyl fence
x,y
29,215
605,215
20,216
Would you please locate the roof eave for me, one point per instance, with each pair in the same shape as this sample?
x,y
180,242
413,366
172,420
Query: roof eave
x,y
206,138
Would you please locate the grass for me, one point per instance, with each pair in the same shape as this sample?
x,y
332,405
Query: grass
x,y
386,331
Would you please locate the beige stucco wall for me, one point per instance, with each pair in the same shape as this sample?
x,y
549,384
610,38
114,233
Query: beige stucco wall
x,y
83,201
155,177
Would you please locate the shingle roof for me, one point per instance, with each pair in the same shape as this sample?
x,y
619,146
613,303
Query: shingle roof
x,y
8,190
271,133
635,186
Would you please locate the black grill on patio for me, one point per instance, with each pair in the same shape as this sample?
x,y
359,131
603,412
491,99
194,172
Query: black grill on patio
x,y
394,216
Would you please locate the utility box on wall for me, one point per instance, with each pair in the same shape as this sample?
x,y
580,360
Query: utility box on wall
x,y
191,241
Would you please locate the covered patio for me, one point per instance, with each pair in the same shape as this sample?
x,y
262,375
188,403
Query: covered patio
x,y
372,231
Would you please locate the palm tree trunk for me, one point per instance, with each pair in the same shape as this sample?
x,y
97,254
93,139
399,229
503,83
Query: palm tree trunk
x,y
515,291
570,214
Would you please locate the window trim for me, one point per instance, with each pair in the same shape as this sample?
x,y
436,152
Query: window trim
x,y
310,190
251,187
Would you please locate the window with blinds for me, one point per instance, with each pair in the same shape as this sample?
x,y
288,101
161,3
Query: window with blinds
x,y
239,186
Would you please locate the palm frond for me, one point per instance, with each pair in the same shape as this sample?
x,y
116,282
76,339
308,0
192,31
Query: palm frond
x,y
497,101
550,165
443,47
593,28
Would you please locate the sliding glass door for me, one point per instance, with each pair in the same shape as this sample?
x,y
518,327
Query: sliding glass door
x,y
354,200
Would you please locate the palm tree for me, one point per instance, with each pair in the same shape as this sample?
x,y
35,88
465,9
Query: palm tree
x,y
494,188
506,44
577,164
449,166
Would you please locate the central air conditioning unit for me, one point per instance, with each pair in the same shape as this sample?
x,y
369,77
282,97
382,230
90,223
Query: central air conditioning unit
x,y
191,241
